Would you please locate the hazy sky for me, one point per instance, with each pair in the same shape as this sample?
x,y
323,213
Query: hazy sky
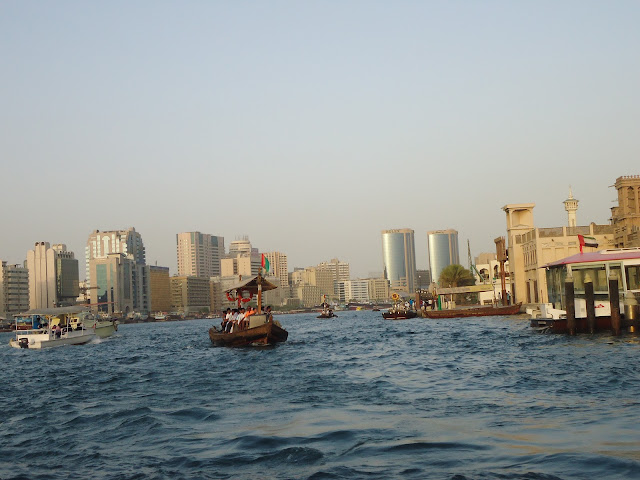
x,y
310,126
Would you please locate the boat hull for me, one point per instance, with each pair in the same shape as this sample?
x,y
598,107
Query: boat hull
x,y
399,315
266,334
45,340
474,312
105,329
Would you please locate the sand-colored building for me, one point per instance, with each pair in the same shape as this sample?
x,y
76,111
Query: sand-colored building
x,y
14,289
625,217
190,294
530,248
160,288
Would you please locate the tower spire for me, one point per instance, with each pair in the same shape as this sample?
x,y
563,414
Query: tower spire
x,y
571,206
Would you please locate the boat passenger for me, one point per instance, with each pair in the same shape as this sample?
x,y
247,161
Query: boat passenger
x,y
58,331
240,319
232,320
268,313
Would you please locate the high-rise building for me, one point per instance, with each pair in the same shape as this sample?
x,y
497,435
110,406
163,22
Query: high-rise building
x,y
278,267
160,288
242,245
443,251
399,258
53,276
340,271
129,243
112,289
199,254
14,289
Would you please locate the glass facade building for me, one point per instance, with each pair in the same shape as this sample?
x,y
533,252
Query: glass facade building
x,y
399,258
443,251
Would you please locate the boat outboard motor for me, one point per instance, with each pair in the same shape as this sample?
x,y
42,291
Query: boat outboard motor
x,y
23,342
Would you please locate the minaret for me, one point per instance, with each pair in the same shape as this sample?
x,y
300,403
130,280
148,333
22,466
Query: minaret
x,y
571,206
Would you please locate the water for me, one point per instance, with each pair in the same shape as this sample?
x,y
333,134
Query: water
x,y
353,397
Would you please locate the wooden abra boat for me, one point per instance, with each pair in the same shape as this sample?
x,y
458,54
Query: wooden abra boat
x,y
262,329
268,333
488,311
399,315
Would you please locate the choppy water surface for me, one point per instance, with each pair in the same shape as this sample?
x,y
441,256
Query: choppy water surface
x,y
353,397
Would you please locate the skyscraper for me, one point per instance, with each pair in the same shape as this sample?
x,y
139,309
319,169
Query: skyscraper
x,y
279,269
443,251
399,258
129,243
199,254
53,276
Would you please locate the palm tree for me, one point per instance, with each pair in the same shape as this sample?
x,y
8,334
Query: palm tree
x,y
456,276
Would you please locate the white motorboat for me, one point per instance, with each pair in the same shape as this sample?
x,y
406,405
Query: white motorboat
x,y
52,327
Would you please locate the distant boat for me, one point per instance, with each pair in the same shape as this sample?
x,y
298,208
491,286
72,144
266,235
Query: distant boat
x,y
327,311
487,311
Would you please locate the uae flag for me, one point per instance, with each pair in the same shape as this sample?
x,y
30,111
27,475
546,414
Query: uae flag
x,y
587,242
265,263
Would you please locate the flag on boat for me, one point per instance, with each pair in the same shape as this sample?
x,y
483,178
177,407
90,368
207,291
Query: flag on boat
x,y
587,242
265,263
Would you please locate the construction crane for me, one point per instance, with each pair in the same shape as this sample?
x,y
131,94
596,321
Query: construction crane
x,y
472,267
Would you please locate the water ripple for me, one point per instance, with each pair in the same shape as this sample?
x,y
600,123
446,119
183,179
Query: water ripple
x,y
362,398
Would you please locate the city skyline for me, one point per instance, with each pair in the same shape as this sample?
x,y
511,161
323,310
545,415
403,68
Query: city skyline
x,y
423,116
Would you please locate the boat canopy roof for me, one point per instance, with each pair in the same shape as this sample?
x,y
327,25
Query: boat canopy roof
x,y
57,311
600,256
251,285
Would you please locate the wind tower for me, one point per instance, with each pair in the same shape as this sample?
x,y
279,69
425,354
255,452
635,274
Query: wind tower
x,y
571,206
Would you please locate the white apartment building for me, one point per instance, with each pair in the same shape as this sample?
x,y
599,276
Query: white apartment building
x,y
278,267
356,291
129,243
199,254
53,276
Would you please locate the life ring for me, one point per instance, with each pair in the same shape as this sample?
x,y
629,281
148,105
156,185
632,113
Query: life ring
x,y
395,296
247,299
230,298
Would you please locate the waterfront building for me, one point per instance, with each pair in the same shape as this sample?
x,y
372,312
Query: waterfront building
x,y
443,251
378,289
488,272
530,248
53,276
14,289
399,259
625,217
112,290
356,290
129,243
199,254
190,294
340,271
308,295
159,289
319,277
278,267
